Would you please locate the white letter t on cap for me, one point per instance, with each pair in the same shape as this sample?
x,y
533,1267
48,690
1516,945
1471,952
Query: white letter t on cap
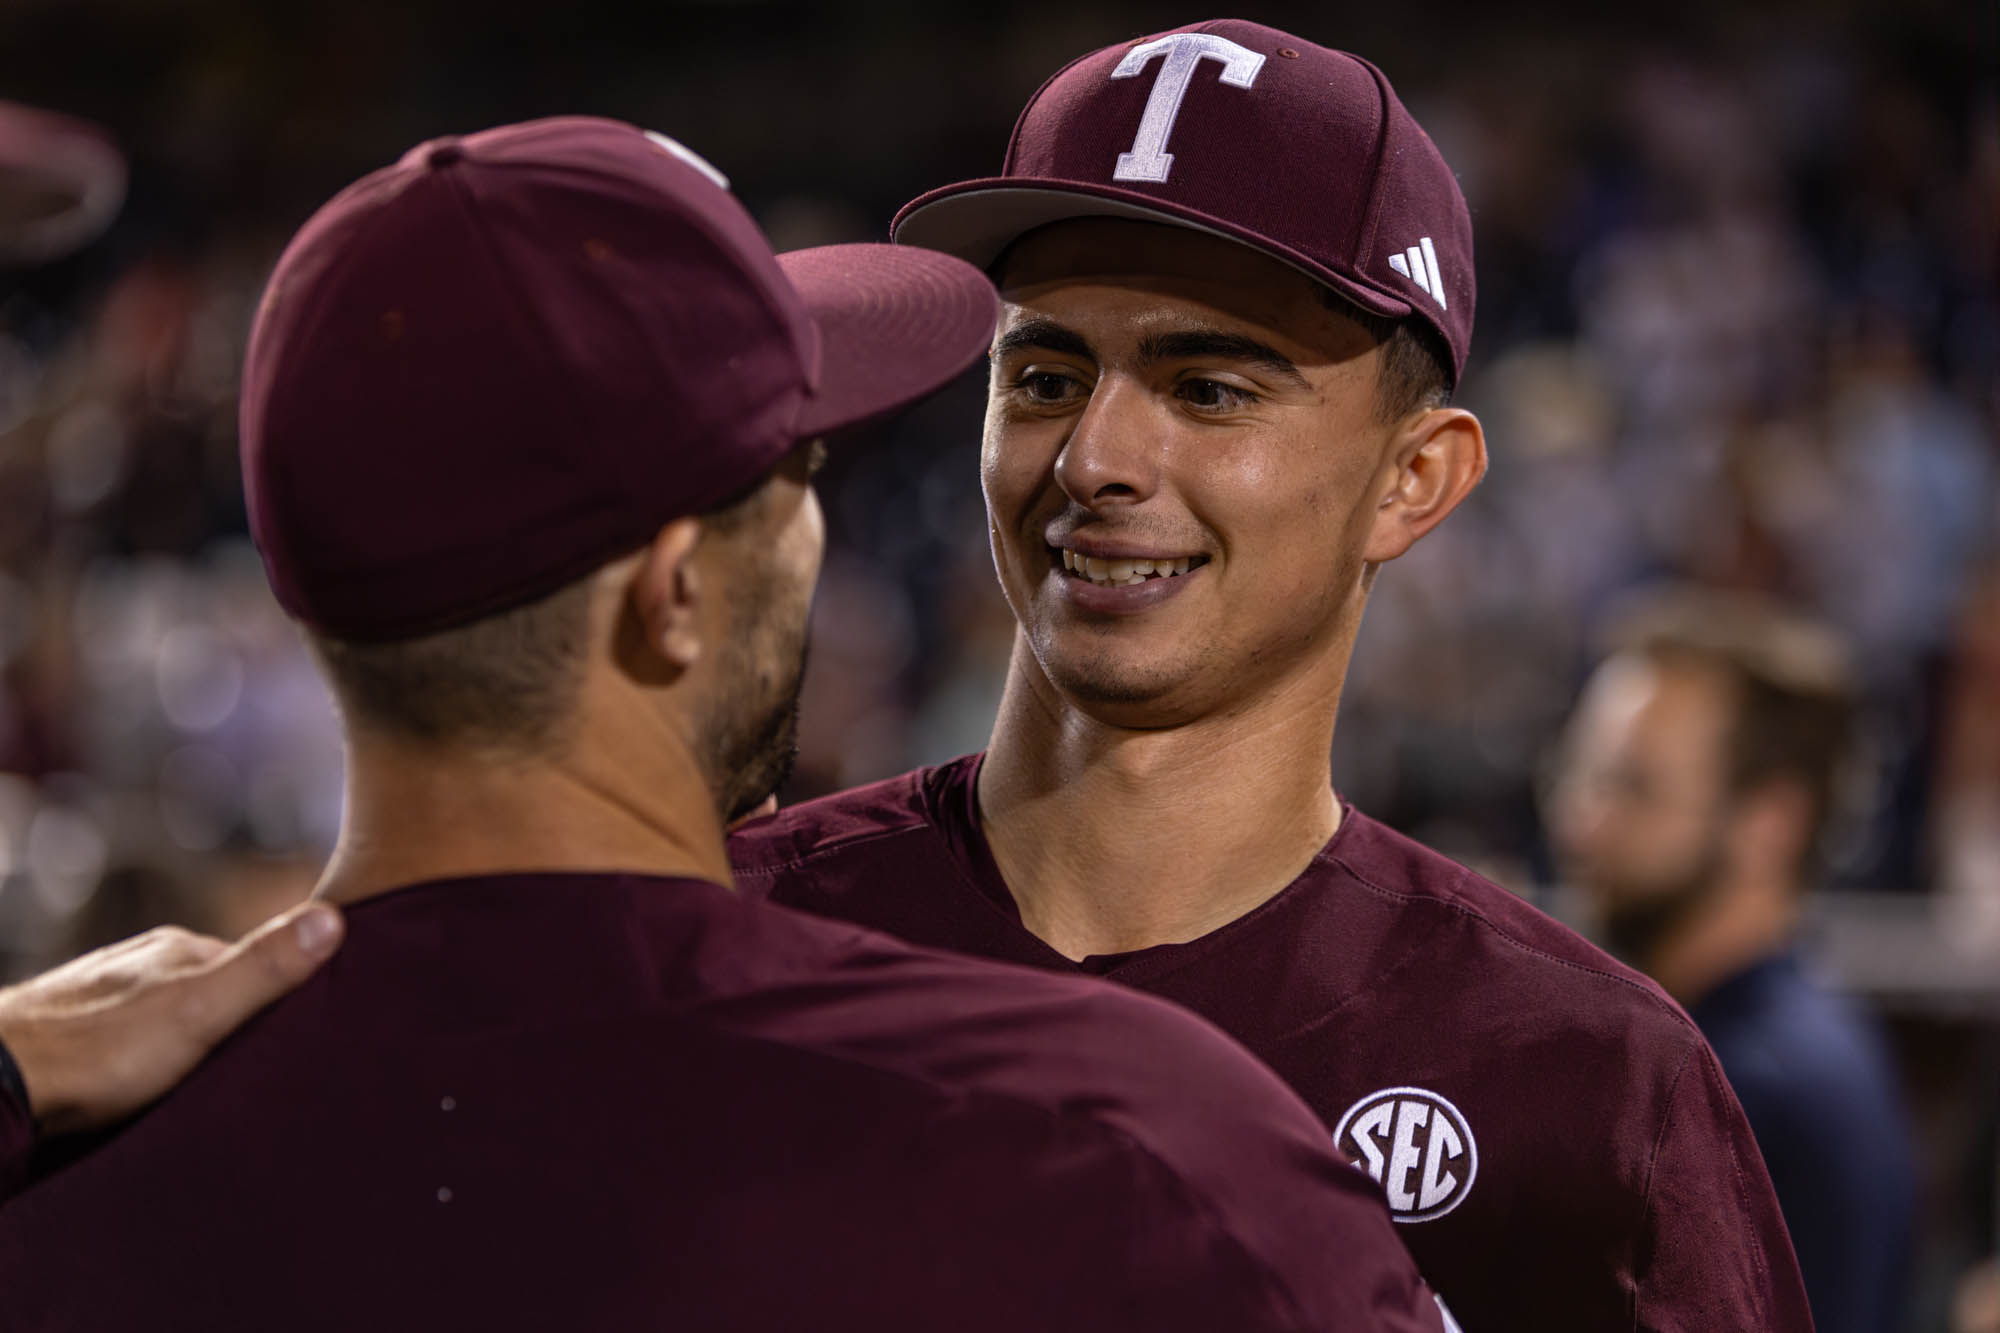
x,y
1149,159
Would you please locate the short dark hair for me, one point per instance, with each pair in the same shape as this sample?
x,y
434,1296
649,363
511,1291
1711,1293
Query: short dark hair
x,y
1794,695
1413,376
505,682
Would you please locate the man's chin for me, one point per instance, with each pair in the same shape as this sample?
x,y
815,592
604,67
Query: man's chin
x,y
1135,697
768,771
1636,924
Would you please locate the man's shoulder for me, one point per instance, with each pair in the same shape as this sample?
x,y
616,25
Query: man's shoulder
x,y
955,1107
1483,933
902,855
1178,1116
853,1022
1785,1039
1023,1033
845,821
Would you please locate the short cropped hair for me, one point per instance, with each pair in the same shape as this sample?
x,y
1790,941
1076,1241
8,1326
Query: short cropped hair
x,y
505,682
1412,376
1790,675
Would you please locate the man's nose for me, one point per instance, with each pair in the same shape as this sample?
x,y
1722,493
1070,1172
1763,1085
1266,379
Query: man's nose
x,y
1576,813
1112,455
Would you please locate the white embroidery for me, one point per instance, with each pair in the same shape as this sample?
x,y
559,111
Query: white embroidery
x,y
1417,1146
1149,159
1420,265
689,156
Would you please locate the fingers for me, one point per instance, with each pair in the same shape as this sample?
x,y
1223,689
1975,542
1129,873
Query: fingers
x,y
108,1032
114,970
242,978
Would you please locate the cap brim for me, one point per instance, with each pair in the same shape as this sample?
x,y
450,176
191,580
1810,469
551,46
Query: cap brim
x,y
977,220
896,325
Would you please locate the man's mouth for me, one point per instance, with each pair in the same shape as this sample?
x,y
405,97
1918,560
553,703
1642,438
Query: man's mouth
x,y
1126,573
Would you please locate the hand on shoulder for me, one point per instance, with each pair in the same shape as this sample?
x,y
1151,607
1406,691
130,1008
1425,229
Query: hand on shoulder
x,y
104,1034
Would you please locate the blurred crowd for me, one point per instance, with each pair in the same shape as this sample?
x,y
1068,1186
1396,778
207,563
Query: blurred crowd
x,y
1739,324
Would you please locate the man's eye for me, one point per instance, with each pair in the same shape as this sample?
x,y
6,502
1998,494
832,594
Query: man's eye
x,y
1213,395
1047,386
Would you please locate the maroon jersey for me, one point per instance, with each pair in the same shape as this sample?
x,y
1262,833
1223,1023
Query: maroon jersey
x,y
620,1102
1551,1130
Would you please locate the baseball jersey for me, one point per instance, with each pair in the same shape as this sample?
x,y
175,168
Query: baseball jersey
x,y
1551,1131
610,1101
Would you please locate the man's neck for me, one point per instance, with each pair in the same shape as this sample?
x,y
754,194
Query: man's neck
x,y
623,802
1113,839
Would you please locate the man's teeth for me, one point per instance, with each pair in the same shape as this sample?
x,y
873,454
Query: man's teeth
x,y
1123,573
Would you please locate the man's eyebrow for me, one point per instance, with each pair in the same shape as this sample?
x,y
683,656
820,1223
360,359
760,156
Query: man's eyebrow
x,y
1043,335
1205,344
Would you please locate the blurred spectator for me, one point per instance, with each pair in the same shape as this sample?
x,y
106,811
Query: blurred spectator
x,y
1699,771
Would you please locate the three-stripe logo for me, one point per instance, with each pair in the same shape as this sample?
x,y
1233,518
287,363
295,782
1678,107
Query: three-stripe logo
x,y
1419,264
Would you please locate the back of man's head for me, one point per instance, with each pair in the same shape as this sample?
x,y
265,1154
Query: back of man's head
x,y
485,374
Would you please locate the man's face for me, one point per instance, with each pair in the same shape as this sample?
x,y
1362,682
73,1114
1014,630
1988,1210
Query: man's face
x,y
771,545
1640,803
1160,395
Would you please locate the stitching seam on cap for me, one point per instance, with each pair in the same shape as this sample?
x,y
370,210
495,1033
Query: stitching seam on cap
x,y
1373,217
278,469
461,198
720,245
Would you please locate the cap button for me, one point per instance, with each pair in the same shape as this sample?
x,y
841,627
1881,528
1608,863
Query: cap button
x,y
445,154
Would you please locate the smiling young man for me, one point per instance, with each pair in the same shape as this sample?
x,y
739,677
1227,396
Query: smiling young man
x,y
1237,290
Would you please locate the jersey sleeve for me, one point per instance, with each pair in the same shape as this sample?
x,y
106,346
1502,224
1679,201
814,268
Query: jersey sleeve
x,y
1252,1178
1714,1249
1338,1266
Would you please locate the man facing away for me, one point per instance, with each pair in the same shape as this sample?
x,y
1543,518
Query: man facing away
x,y
529,421
1237,290
1698,773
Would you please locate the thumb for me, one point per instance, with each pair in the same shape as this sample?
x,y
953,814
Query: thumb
x,y
259,968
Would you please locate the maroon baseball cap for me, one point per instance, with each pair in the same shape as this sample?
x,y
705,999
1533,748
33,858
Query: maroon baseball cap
x,y
511,357
1238,129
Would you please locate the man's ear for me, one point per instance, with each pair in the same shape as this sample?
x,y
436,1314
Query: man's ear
x,y
1438,457
665,596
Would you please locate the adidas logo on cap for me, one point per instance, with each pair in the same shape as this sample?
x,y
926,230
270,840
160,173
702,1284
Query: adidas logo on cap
x,y
1421,267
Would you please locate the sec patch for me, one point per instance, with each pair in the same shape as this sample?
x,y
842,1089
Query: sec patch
x,y
1417,1146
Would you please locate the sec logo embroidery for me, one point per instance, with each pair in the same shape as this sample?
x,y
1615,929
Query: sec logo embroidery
x,y
1416,1145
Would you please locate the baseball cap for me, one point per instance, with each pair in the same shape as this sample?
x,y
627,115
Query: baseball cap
x,y
512,356
1234,128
